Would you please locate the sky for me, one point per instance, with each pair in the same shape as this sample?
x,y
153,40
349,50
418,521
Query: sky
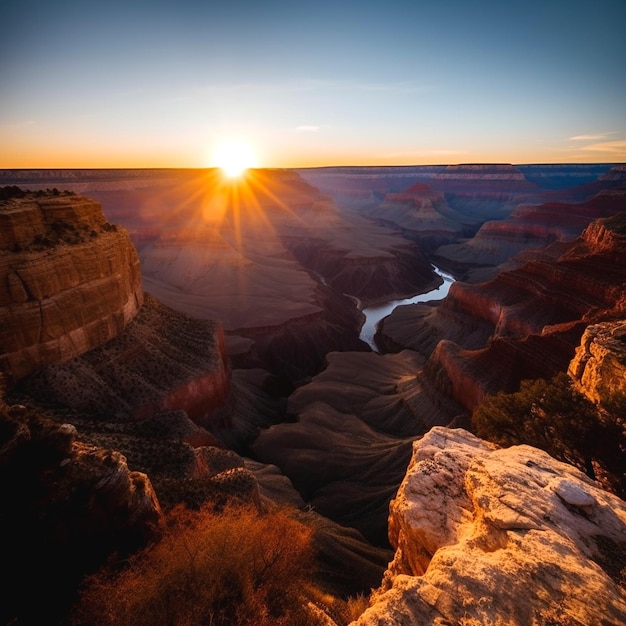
x,y
144,83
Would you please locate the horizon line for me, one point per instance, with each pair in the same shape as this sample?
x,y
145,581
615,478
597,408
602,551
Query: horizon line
x,y
317,167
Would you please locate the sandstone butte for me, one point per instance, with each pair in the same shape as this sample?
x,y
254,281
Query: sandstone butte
x,y
69,280
72,309
500,536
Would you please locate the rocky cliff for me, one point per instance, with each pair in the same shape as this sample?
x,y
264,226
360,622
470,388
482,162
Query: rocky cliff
x,y
69,280
500,536
525,323
599,365
71,317
528,226
65,505
162,361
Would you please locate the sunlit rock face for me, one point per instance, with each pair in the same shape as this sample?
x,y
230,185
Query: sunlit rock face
x,y
525,323
599,365
500,536
69,280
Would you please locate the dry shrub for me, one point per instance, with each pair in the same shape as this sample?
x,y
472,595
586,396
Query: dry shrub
x,y
341,611
234,567
356,606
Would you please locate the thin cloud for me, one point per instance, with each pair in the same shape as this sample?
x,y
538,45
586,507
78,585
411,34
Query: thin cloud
x,y
591,137
17,125
611,147
306,128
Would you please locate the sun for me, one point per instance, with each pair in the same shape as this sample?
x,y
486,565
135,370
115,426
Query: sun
x,y
234,158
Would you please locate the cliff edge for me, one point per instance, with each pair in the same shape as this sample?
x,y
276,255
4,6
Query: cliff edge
x,y
485,535
599,365
69,280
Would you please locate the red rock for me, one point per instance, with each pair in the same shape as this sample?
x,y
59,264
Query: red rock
x,y
525,323
69,281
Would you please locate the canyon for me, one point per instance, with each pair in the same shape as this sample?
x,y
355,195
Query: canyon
x,y
70,280
239,372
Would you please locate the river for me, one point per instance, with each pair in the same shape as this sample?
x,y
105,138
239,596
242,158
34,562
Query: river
x,y
374,314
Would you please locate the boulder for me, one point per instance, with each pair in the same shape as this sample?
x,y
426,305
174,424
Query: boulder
x,y
599,365
500,536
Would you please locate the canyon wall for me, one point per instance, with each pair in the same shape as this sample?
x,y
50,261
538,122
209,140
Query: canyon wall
x,y
525,323
69,280
599,365
162,361
499,536
73,324
529,226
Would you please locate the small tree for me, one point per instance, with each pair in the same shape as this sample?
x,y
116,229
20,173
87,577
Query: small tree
x,y
554,416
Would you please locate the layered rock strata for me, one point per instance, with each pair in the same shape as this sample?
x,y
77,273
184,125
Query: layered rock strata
x,y
354,423
500,536
423,215
528,226
599,365
69,280
525,323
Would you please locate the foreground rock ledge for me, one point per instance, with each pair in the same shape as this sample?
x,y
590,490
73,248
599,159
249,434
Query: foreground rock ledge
x,y
500,536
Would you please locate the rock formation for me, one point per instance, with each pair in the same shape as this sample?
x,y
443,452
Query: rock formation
x,y
500,536
69,280
528,226
599,365
615,174
424,216
162,361
66,505
355,423
525,323
70,316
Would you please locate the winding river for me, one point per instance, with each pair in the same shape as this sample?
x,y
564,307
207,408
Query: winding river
x,y
374,314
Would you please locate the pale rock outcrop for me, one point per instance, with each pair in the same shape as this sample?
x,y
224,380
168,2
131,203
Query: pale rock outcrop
x,y
69,281
599,365
500,536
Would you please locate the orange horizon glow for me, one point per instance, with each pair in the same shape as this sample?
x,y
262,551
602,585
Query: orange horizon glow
x,y
75,156
145,164
108,159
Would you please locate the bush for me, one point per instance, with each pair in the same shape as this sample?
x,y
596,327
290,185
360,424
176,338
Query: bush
x,y
553,416
236,567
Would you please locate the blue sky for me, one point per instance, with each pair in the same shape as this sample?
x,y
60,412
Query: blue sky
x,y
162,84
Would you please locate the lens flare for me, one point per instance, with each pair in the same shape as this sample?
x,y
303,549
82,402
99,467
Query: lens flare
x,y
234,158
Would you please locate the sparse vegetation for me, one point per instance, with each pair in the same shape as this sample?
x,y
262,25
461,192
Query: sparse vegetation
x,y
554,416
234,567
